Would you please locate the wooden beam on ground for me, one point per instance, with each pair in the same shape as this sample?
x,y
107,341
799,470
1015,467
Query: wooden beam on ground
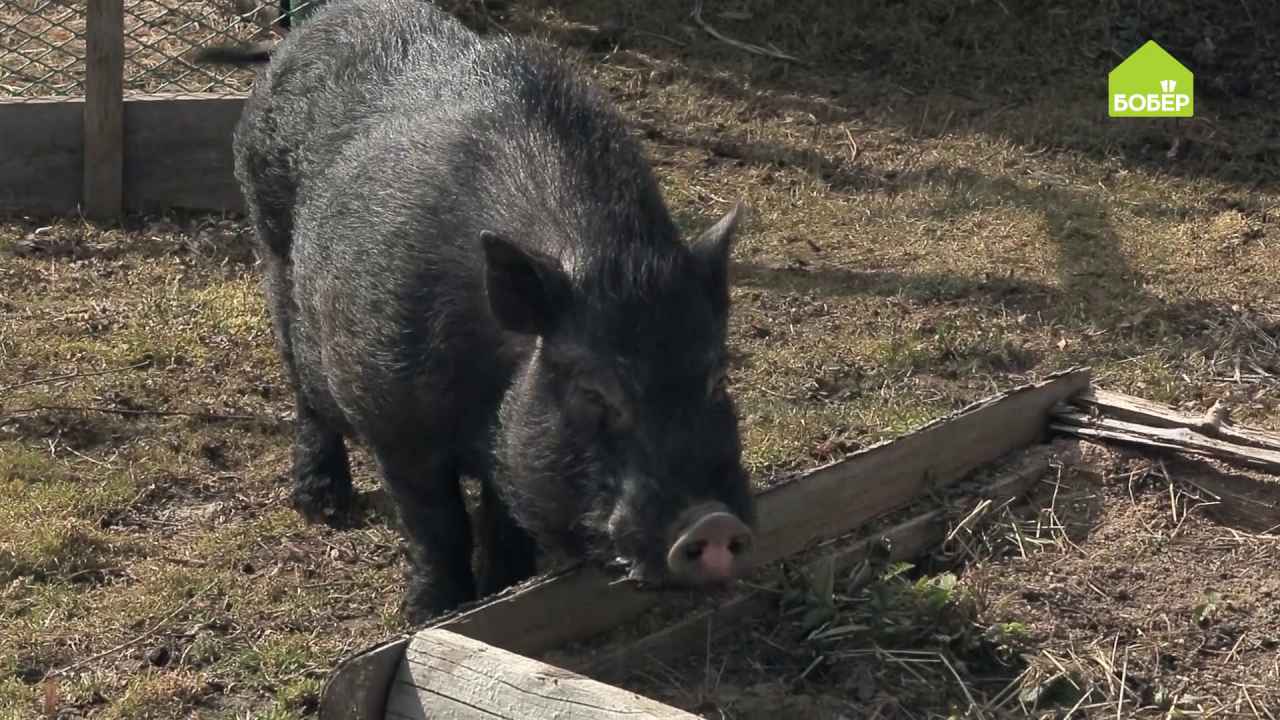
x,y
1228,463
1137,410
910,539
177,154
354,693
812,507
832,500
103,194
446,675
1177,439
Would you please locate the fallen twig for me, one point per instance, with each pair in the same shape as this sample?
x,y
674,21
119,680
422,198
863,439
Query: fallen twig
x,y
853,146
212,417
745,46
669,39
72,376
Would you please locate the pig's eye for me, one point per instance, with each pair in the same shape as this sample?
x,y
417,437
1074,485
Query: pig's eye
x,y
594,405
593,399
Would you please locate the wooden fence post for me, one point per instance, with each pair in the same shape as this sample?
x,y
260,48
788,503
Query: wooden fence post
x,y
102,195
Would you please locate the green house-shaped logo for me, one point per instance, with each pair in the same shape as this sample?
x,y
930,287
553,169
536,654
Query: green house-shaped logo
x,y
1150,83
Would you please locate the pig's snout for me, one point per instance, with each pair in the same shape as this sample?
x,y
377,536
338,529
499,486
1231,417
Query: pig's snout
x,y
714,549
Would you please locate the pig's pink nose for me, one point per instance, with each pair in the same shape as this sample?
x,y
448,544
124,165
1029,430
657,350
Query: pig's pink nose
x,y
714,549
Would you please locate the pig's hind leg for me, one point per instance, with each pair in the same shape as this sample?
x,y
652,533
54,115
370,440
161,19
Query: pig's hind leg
x,y
322,490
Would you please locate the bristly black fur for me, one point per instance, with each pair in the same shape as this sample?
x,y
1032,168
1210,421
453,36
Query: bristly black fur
x,y
471,269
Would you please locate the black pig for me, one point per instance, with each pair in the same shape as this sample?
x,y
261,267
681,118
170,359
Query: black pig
x,y
471,269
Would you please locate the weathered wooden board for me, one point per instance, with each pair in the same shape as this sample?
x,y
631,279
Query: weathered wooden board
x,y
351,694
907,540
176,153
1176,438
446,675
1234,465
832,500
103,110
1139,410
814,506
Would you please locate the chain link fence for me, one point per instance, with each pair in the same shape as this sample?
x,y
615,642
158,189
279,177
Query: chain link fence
x,y
42,44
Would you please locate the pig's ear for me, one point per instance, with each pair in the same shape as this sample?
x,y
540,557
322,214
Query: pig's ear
x,y
711,248
527,289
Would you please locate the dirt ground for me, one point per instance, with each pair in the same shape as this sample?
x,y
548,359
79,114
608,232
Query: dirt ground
x,y
940,208
1119,587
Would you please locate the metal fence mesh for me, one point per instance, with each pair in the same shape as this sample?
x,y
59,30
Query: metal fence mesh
x,y
42,44
41,47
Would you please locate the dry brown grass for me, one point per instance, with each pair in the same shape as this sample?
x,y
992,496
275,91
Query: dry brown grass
x,y
1133,603
940,208
1107,592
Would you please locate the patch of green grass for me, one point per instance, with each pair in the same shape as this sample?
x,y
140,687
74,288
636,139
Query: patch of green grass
x,y
299,696
238,540
783,436
954,345
25,464
167,318
40,484
276,657
17,699
156,694
234,313
1151,375
50,522
63,549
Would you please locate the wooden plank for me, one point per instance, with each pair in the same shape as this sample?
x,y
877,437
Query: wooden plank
x,y
1138,410
814,506
178,153
834,499
103,193
910,539
904,541
42,164
1180,439
531,619
446,675
350,693
1240,499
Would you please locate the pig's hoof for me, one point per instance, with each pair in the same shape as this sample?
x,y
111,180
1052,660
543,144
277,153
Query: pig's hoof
x,y
425,599
322,503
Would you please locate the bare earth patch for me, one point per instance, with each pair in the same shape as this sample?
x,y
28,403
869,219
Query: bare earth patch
x,y
1146,604
1110,591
